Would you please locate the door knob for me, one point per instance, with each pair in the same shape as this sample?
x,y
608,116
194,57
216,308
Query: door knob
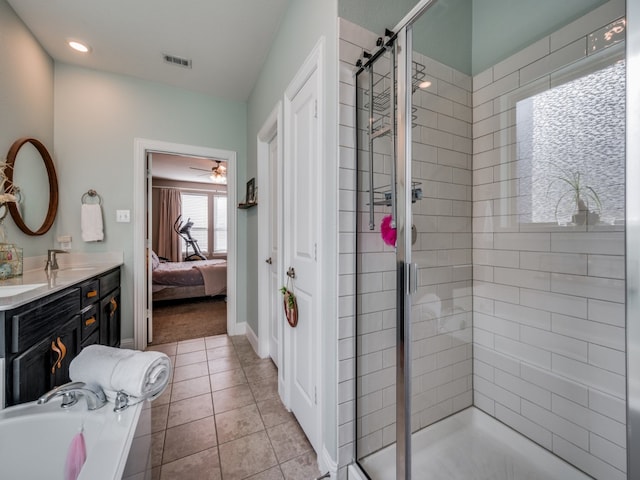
x,y
268,260
291,272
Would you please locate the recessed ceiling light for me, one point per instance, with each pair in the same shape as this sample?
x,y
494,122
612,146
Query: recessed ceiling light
x,y
79,47
425,84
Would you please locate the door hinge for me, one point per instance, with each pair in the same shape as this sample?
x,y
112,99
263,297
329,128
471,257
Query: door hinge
x,y
315,108
315,252
315,395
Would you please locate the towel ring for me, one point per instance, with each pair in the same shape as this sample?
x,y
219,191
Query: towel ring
x,y
91,194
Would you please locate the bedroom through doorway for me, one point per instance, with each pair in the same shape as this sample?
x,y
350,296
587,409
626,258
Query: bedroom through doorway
x,y
189,238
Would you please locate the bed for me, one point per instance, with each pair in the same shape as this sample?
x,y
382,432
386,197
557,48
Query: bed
x,y
177,280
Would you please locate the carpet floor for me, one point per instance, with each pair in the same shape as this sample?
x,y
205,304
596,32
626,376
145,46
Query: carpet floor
x,y
178,320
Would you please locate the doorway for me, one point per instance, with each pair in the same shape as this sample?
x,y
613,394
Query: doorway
x,y
142,227
189,247
270,247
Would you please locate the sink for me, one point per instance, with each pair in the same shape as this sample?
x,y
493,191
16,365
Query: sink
x,y
11,290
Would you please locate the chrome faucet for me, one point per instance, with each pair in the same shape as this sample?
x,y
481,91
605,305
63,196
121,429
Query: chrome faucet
x,y
69,392
52,261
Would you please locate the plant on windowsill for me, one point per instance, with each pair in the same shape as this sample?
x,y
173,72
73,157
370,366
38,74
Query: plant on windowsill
x,y
584,196
290,306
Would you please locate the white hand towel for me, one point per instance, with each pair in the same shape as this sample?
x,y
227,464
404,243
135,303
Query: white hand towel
x,y
91,222
138,374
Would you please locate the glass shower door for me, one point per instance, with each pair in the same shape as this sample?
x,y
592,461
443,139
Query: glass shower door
x,y
438,219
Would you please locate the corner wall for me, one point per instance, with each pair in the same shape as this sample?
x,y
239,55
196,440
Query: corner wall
x,y
26,107
302,26
97,117
549,336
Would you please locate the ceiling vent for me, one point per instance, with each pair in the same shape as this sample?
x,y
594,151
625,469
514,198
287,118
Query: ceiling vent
x,y
179,61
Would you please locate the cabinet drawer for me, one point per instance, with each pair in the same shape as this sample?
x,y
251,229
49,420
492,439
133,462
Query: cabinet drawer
x,y
89,317
109,282
93,339
33,322
90,292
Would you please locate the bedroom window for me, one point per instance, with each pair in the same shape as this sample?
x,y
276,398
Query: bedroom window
x,y
219,224
196,207
208,212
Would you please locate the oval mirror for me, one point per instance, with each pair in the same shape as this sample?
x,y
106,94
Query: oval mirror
x,y
30,168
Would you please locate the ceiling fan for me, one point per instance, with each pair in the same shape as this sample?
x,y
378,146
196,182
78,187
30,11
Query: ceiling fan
x,y
217,174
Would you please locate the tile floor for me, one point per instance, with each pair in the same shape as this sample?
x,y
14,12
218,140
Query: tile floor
x,y
221,417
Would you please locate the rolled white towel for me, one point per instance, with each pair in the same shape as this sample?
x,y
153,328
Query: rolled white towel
x,y
138,374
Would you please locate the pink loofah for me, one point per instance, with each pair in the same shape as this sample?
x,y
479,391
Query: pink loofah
x,y
388,233
76,456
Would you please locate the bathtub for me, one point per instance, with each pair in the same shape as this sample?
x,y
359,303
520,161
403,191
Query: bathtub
x,y
34,440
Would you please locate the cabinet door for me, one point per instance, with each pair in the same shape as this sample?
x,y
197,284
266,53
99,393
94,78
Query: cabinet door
x,y
110,319
46,364
33,372
68,336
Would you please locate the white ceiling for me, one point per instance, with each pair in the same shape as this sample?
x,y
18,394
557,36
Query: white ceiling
x,y
182,169
227,40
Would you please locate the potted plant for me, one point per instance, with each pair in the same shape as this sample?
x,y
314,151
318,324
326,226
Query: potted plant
x,y
290,306
585,198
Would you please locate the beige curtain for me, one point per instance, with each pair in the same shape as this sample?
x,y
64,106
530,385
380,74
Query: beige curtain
x,y
168,240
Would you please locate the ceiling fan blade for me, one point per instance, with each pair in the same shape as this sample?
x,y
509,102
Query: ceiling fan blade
x,y
201,169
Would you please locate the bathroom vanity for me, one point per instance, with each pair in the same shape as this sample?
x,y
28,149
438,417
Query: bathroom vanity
x,y
44,328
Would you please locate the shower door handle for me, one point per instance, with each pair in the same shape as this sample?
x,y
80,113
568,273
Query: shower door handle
x,y
412,277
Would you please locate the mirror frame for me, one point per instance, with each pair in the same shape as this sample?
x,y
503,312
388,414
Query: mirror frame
x,y
53,186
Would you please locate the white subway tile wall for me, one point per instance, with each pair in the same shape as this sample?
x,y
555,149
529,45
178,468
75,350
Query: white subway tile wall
x,y
548,314
548,323
442,353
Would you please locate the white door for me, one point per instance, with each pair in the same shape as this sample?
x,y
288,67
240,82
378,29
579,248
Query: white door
x,y
301,205
275,297
148,245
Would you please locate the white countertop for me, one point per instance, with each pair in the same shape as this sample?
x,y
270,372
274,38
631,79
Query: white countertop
x,y
74,268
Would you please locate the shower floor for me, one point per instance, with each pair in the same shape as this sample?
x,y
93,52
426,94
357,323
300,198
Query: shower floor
x,y
471,445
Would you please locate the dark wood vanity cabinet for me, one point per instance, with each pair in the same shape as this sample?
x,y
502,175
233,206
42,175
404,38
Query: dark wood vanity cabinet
x,y
52,356
110,309
41,338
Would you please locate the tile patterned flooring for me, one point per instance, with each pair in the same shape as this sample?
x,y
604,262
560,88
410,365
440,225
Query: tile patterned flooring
x,y
221,417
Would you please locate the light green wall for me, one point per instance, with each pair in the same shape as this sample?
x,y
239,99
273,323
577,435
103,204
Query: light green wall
x,y
97,117
444,34
500,27
26,109
304,23
375,15
504,27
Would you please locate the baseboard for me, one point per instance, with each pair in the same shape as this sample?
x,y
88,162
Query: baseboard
x,y
252,337
127,343
327,464
239,329
354,473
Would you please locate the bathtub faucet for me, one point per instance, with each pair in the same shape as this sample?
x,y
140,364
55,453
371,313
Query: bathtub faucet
x,y
69,392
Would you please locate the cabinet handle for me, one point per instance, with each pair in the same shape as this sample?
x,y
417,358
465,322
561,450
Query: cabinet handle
x,y
89,321
114,306
64,352
55,348
92,293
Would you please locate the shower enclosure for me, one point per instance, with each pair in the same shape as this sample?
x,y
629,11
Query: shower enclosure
x,y
490,247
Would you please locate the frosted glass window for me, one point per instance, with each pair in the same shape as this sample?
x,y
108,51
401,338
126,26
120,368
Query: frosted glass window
x,y
573,134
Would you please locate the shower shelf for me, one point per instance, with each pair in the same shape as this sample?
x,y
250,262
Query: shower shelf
x,y
381,100
380,132
383,194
